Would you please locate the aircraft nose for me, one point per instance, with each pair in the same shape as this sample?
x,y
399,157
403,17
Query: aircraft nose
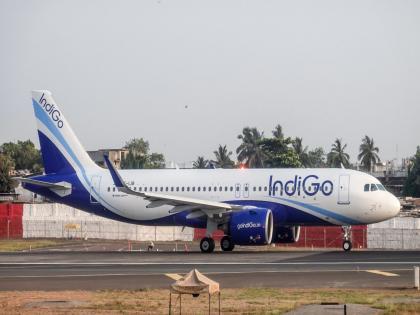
x,y
394,205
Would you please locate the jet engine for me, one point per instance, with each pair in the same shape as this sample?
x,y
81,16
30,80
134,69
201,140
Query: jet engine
x,y
251,227
286,234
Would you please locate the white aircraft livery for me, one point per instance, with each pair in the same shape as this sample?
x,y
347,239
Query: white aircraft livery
x,y
252,206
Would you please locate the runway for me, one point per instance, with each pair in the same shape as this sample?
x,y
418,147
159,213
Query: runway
x,y
141,270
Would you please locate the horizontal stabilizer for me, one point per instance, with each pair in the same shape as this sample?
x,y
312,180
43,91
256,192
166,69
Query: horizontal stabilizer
x,y
61,188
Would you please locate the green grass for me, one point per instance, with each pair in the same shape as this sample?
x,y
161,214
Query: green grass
x,y
19,245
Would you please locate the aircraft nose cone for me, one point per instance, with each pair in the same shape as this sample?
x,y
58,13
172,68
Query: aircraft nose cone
x,y
394,206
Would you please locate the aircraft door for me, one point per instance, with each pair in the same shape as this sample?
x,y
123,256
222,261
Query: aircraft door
x,y
95,185
344,190
238,191
246,191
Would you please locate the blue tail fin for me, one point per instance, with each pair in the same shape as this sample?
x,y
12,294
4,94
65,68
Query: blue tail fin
x,y
61,150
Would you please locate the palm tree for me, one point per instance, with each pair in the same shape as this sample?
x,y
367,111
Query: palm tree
x,y
301,151
223,157
368,153
250,149
201,162
278,132
337,156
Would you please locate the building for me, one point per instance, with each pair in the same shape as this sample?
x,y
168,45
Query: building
x,y
115,156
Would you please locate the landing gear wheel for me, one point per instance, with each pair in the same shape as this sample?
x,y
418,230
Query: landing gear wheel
x,y
347,246
207,245
226,244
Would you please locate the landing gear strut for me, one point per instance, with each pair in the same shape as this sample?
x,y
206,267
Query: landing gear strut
x,y
347,245
226,243
207,245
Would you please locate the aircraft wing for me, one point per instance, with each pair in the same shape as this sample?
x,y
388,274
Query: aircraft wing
x,y
179,203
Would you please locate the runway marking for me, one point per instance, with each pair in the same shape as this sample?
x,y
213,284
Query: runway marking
x,y
174,276
206,273
383,273
208,263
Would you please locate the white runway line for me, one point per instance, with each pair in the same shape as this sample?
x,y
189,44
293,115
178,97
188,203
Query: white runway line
x,y
383,273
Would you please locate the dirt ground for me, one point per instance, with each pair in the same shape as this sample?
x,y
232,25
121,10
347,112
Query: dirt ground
x,y
233,301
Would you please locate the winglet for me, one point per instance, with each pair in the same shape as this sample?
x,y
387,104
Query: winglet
x,y
118,181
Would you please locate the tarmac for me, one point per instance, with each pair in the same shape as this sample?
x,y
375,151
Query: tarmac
x,y
87,270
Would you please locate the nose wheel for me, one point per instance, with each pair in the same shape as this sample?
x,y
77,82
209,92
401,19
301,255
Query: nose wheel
x,y
226,244
207,245
347,244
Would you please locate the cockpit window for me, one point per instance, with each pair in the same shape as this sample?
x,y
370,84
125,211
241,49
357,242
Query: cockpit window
x,y
373,187
381,187
366,187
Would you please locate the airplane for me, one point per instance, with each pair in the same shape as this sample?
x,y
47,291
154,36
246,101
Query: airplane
x,y
251,206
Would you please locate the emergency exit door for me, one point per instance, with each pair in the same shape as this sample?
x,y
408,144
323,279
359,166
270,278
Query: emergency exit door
x,y
95,185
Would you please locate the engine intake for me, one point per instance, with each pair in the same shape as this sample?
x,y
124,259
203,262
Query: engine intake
x,y
251,227
286,234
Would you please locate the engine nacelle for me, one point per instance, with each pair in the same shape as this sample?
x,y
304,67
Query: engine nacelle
x,y
251,227
286,234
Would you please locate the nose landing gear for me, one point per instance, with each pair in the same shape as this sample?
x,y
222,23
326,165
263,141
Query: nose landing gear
x,y
347,245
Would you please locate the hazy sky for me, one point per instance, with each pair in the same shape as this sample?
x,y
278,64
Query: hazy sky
x,y
123,69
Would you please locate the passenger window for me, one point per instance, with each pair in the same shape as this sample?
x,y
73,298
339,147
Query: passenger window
x,y
134,188
373,187
182,189
220,188
366,187
226,189
246,188
231,188
204,188
259,188
198,188
139,188
151,188
172,188
156,189
109,189
145,188
188,188
193,188
161,188
254,188
177,189
209,188
166,188
113,189
237,188
265,188
215,188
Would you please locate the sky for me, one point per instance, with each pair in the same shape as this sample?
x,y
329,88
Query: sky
x,y
189,75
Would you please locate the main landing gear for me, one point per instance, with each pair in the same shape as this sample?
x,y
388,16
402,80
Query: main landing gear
x,y
347,245
207,245
226,243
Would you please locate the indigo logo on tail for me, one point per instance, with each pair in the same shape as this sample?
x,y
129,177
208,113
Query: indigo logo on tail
x,y
52,111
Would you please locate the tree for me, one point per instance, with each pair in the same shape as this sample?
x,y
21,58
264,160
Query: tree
x,y
223,157
278,132
337,156
316,158
23,154
412,183
138,156
6,164
279,153
250,150
302,152
201,162
368,153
